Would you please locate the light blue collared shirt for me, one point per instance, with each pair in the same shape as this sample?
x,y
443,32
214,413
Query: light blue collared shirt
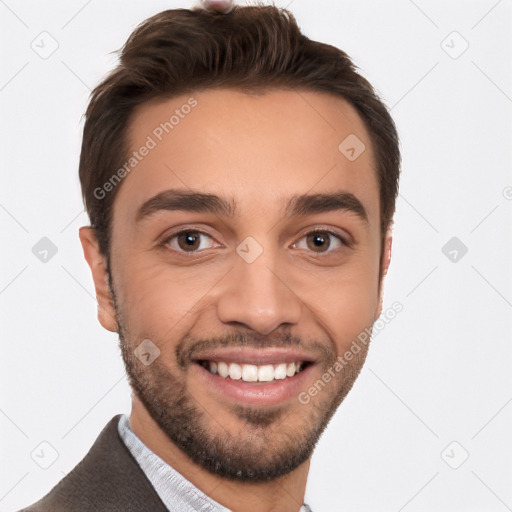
x,y
175,491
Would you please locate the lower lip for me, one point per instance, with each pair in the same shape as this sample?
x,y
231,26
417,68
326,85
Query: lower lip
x,y
260,393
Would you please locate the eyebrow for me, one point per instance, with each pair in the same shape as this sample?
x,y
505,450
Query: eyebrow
x,y
297,206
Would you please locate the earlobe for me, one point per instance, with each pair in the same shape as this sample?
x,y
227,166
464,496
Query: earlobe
x,y
98,265
384,267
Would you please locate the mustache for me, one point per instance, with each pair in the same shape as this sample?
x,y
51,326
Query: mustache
x,y
189,346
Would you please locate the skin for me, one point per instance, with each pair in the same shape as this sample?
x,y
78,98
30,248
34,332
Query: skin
x,y
259,150
217,6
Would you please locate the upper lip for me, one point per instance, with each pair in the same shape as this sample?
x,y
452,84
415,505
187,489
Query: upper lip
x,y
267,355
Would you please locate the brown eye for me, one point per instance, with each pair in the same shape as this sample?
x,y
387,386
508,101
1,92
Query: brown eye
x,y
188,241
318,241
322,241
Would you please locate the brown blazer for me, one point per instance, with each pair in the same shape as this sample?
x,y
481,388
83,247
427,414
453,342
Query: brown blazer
x,y
108,479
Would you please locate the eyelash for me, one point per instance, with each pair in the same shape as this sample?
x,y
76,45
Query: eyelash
x,y
166,241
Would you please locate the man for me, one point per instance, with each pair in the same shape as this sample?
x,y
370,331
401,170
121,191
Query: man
x,y
241,182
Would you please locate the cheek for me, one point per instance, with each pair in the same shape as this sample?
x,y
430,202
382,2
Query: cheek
x,y
160,299
345,302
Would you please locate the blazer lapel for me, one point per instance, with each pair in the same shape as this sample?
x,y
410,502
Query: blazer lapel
x,y
108,479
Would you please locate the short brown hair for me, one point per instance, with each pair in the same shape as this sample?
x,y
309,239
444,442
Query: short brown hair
x,y
252,48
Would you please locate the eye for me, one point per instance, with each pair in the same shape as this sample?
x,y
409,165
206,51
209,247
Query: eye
x,y
321,239
188,241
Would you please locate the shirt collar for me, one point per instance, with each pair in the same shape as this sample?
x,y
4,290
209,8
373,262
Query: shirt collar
x,y
176,492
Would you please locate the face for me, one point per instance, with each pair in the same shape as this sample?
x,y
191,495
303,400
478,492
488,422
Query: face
x,y
230,306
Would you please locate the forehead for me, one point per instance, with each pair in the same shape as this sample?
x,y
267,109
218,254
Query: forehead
x,y
253,149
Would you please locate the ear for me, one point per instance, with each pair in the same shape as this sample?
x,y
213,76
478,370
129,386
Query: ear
x,y
98,265
384,266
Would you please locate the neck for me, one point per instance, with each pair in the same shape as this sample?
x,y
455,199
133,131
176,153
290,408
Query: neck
x,y
283,494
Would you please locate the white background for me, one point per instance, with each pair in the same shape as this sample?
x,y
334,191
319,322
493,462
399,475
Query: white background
x,y
439,372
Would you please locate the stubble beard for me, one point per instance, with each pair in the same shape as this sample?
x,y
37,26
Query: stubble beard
x,y
268,444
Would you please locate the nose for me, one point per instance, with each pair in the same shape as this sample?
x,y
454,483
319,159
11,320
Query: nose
x,y
259,296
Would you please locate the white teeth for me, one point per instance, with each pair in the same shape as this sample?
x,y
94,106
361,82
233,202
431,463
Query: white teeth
x,y
266,373
290,369
235,371
254,373
222,369
280,371
249,372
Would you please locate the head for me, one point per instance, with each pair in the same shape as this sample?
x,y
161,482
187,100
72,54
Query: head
x,y
240,181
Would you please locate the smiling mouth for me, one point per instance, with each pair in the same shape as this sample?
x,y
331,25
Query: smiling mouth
x,y
254,373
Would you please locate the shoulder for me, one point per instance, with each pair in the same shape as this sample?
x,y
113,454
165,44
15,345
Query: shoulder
x,y
108,478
